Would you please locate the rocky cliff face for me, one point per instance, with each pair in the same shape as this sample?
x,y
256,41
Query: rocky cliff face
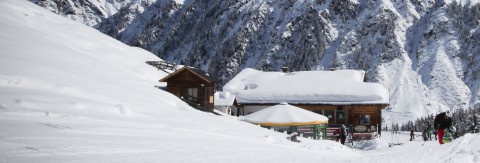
x,y
425,51
88,12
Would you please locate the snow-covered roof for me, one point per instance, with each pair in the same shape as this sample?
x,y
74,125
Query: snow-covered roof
x,y
285,115
306,87
198,72
223,99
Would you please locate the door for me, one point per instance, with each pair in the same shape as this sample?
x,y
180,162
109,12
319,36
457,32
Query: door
x,y
330,114
192,94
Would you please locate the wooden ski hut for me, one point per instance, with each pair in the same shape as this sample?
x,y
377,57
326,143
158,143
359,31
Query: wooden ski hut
x,y
342,95
193,86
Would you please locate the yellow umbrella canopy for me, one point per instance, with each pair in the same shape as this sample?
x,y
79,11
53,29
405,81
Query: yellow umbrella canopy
x,y
285,115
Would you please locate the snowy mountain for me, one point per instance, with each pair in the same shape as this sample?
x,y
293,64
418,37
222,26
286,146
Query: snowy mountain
x,y
88,12
424,51
71,94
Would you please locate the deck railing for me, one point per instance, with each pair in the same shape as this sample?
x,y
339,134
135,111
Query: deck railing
x,y
162,65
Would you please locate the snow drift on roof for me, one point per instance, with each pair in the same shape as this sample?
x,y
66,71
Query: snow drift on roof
x,y
312,87
223,99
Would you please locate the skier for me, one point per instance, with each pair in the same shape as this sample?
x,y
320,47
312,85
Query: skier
x,y
429,131
412,136
442,121
424,135
343,134
450,134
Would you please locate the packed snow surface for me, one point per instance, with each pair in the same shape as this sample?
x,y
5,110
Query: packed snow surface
x,y
70,94
329,87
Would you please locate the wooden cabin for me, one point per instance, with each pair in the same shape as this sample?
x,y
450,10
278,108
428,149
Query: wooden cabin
x,y
193,86
342,95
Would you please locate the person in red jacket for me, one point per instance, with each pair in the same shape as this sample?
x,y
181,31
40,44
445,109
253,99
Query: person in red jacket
x,y
442,121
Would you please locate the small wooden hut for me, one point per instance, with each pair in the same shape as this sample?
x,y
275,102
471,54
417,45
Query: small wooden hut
x,y
193,86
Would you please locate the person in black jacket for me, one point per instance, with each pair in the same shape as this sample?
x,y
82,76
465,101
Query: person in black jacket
x,y
343,134
412,135
442,121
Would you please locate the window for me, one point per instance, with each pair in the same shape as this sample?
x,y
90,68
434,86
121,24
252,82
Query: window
x,y
330,115
192,94
364,119
318,111
341,117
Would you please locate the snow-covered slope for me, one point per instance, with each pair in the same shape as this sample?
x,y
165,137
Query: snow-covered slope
x,y
71,94
46,67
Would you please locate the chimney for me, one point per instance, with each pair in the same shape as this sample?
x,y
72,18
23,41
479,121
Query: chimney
x,y
285,69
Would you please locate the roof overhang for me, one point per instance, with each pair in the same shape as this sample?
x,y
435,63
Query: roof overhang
x,y
197,72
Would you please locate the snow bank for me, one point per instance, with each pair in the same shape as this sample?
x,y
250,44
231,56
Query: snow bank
x,y
461,150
